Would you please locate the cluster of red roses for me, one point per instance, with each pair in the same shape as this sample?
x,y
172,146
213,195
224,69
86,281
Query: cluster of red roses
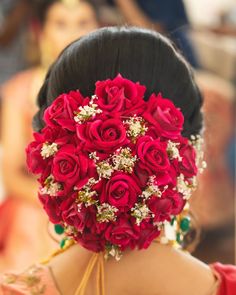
x,y
113,168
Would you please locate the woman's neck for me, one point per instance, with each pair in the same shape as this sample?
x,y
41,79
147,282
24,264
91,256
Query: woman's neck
x,y
162,269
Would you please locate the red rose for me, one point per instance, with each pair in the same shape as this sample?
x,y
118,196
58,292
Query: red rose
x,y
92,242
188,164
171,203
75,217
120,191
148,233
152,156
161,208
177,200
103,136
35,163
163,178
168,177
52,207
120,96
142,175
164,116
62,110
122,233
72,167
57,135
68,201
178,203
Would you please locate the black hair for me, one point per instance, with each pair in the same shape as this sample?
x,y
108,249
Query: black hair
x,y
137,54
41,8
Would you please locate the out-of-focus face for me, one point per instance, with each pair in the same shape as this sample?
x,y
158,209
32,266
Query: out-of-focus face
x,y
65,24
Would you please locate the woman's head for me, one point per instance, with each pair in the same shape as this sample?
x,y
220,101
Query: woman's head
x,y
63,21
137,54
113,166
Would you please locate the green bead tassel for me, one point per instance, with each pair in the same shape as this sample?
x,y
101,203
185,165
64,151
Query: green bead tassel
x,y
59,229
185,224
173,221
179,238
62,243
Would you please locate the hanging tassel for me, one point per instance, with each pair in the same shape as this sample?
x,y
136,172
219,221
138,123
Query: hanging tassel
x,y
100,286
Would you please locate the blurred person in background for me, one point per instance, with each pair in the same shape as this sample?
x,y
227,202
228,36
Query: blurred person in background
x,y
166,16
14,17
213,201
22,222
14,20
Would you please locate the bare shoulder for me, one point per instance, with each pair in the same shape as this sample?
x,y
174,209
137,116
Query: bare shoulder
x,y
162,270
159,270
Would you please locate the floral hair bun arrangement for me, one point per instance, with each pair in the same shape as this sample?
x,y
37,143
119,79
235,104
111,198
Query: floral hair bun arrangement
x,y
113,169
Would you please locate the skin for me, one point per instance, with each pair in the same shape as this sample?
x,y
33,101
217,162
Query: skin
x,y
138,272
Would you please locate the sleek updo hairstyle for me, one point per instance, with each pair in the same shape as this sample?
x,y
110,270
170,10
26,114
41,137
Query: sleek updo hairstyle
x,y
137,54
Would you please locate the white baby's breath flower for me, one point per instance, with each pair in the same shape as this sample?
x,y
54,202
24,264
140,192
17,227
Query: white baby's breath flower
x,y
104,169
123,160
152,189
79,207
86,196
106,213
92,181
94,156
197,142
49,150
141,212
51,187
86,112
159,225
184,188
136,127
173,151
93,98
113,251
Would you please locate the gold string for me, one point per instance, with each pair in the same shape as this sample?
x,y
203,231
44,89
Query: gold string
x,y
68,244
84,282
100,276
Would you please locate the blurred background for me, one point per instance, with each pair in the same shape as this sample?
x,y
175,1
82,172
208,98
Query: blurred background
x,y
32,35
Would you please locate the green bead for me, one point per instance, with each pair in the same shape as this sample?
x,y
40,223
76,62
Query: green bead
x,y
173,221
179,238
62,243
185,224
59,229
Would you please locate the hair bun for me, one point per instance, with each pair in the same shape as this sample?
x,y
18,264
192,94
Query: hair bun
x,y
113,168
